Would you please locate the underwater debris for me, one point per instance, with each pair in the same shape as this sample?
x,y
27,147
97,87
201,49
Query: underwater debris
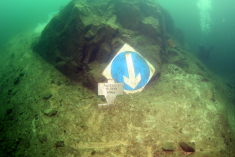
x,y
50,112
171,43
59,144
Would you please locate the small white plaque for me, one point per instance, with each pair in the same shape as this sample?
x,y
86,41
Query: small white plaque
x,y
110,90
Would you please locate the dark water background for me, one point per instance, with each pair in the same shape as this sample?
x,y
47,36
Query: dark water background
x,y
20,15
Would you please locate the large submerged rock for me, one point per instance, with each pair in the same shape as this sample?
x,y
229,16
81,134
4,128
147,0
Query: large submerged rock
x,y
82,39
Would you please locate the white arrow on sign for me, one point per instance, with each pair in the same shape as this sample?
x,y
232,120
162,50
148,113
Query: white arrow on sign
x,y
132,81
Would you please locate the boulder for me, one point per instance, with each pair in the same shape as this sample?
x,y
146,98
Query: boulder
x,y
86,31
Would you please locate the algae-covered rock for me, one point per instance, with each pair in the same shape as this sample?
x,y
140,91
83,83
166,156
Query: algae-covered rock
x,y
50,112
168,146
87,31
47,95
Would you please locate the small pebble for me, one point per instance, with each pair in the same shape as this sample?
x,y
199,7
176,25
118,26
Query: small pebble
x,y
59,144
168,146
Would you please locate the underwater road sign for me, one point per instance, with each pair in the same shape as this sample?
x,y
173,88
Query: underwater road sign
x,y
130,68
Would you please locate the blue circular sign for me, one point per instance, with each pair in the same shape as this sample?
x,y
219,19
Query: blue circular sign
x,y
119,69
